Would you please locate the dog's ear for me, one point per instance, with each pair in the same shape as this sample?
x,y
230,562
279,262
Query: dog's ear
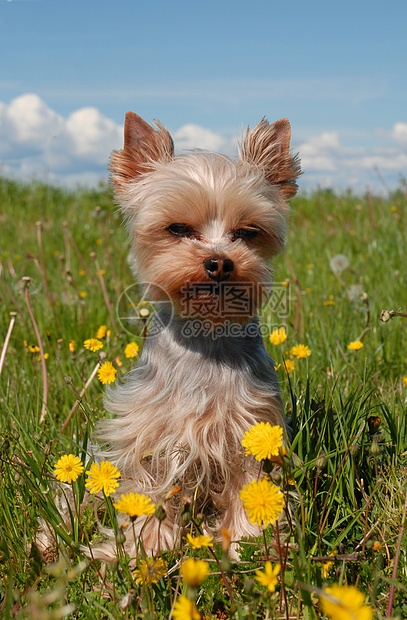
x,y
143,146
268,146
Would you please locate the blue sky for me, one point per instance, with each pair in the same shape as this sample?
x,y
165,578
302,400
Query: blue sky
x,y
70,70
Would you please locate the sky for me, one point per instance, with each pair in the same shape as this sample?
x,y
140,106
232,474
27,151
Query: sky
x,y
70,70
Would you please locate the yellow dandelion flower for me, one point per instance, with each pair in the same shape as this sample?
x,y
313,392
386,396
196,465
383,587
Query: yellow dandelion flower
x,y
300,351
107,373
194,572
82,272
82,294
289,366
184,609
328,566
71,346
34,348
135,505
263,501
99,241
131,349
101,332
118,362
277,366
102,477
46,356
349,604
150,571
263,440
268,578
278,336
405,381
376,546
93,344
393,209
68,468
356,345
329,303
197,542
278,459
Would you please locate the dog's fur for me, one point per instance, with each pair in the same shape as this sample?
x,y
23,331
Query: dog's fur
x,y
182,412
180,416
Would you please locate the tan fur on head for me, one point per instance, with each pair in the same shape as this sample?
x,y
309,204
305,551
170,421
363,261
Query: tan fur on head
x,y
142,146
268,146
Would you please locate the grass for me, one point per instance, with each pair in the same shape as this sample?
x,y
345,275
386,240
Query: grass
x,y
347,409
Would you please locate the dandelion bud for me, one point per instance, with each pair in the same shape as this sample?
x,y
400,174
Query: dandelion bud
x,y
248,586
354,449
68,380
4,446
161,511
226,540
321,461
121,536
296,460
127,600
199,518
48,448
375,447
226,564
385,316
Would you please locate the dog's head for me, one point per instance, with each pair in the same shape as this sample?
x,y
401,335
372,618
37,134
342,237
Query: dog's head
x,y
203,225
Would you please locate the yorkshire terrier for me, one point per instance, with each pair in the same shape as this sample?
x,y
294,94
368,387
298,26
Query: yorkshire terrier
x,y
203,227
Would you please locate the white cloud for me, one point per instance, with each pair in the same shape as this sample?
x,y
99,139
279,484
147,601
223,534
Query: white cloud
x,y
37,142
399,133
194,136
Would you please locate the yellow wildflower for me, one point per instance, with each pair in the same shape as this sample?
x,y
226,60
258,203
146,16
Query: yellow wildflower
x,y
101,332
263,501
68,468
263,440
107,373
131,349
349,604
197,542
184,609
102,477
135,505
289,366
93,344
278,336
355,346
300,351
194,572
150,571
268,578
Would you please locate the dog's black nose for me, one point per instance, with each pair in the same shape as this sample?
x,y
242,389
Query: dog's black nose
x,y
218,268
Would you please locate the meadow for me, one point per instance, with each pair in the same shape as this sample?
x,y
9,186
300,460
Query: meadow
x,y
63,269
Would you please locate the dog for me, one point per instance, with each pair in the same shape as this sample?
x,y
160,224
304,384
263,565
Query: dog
x,y
203,228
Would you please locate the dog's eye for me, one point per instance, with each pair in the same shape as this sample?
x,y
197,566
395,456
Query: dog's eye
x,y
246,234
181,230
